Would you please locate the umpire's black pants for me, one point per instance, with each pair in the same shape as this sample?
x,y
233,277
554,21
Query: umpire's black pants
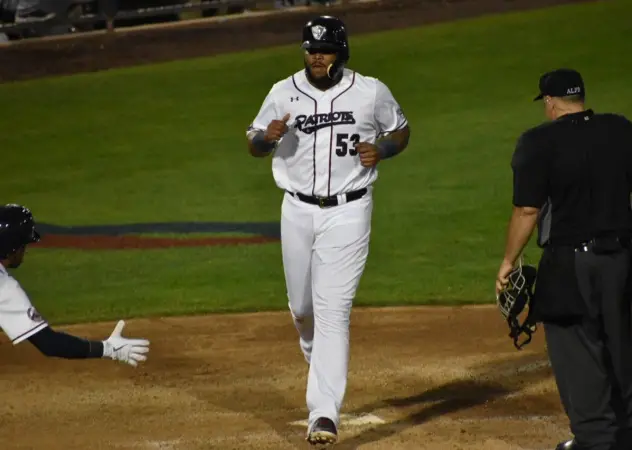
x,y
591,356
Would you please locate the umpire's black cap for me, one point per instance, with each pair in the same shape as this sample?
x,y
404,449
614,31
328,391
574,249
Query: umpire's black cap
x,y
561,83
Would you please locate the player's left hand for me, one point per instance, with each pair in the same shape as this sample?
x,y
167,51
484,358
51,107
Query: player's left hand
x,y
369,156
502,279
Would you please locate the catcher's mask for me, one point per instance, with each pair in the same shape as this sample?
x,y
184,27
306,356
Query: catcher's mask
x,y
512,301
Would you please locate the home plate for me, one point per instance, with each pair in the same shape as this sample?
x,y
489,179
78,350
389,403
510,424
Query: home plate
x,y
350,420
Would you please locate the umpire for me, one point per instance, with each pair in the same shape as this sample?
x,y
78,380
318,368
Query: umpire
x,y
572,177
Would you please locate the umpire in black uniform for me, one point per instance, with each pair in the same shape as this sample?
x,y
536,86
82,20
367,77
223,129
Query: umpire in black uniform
x,y
572,177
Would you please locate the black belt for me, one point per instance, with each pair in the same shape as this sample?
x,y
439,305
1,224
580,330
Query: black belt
x,y
328,202
605,244
608,244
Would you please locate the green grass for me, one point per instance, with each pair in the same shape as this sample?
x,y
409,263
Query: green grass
x,y
166,143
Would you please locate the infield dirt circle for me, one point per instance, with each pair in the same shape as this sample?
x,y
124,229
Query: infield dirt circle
x,y
427,378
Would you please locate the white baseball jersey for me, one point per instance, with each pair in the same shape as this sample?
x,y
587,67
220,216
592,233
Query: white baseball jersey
x,y
317,155
18,318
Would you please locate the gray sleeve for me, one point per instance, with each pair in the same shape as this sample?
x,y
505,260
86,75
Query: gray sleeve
x,y
544,223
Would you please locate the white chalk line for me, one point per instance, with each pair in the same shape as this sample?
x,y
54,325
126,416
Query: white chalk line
x,y
349,420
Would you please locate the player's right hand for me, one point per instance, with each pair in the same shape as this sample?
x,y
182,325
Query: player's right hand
x,y
276,129
130,351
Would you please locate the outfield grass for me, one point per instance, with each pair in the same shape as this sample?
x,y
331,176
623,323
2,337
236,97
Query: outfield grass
x,y
166,143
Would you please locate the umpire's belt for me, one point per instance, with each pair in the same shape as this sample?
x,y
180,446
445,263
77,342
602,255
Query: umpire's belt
x,y
610,244
327,202
606,244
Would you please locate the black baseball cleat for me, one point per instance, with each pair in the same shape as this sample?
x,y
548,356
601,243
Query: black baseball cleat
x,y
323,433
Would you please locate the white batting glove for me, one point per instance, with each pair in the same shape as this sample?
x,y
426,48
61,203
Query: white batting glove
x,y
131,351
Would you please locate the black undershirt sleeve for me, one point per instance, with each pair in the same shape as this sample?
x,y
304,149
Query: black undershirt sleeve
x,y
61,345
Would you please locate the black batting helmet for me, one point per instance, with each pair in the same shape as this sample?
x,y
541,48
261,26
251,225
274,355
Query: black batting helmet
x,y
329,34
17,228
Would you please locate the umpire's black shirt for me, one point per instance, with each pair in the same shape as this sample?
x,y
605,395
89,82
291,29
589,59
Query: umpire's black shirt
x,y
582,164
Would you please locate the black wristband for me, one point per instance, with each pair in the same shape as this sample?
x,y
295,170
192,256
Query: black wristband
x,y
96,349
387,148
261,145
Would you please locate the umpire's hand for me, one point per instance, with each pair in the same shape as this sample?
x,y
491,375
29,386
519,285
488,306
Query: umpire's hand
x,y
276,129
369,156
502,279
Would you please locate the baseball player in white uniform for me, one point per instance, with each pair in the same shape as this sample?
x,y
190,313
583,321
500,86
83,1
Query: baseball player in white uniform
x,y
20,321
327,128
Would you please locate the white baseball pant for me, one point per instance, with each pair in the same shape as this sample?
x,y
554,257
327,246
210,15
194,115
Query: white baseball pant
x,y
324,255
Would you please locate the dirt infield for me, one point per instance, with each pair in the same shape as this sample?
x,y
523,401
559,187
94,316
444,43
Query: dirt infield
x,y
32,59
427,378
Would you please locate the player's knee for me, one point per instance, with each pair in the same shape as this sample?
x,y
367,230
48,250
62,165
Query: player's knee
x,y
337,318
301,313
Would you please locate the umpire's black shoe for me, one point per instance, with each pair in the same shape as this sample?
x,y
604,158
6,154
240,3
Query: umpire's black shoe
x,y
323,433
568,445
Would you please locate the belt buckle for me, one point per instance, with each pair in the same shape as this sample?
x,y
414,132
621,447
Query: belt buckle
x,y
321,202
583,247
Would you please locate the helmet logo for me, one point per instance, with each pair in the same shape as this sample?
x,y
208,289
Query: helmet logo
x,y
318,31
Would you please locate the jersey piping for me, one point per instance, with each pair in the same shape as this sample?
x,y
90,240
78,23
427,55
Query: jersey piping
x,y
315,132
331,133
